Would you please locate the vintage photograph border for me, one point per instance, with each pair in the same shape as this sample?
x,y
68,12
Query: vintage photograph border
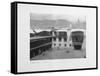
x,y
14,35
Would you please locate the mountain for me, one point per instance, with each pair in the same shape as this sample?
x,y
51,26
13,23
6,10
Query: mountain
x,y
44,24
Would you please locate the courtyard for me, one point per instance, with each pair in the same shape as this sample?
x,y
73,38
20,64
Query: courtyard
x,y
61,53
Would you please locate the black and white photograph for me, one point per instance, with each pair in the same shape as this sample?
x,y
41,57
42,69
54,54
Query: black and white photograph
x,y
57,36
53,37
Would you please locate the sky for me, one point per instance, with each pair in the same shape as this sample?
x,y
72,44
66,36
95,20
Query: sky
x,y
47,21
72,18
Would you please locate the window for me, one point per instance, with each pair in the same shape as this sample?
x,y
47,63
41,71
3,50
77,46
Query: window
x,y
65,45
60,39
63,34
59,44
65,39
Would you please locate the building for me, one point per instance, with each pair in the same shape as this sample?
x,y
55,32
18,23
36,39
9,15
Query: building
x,y
60,39
63,38
39,43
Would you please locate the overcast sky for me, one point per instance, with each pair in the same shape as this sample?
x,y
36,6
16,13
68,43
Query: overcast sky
x,y
72,18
